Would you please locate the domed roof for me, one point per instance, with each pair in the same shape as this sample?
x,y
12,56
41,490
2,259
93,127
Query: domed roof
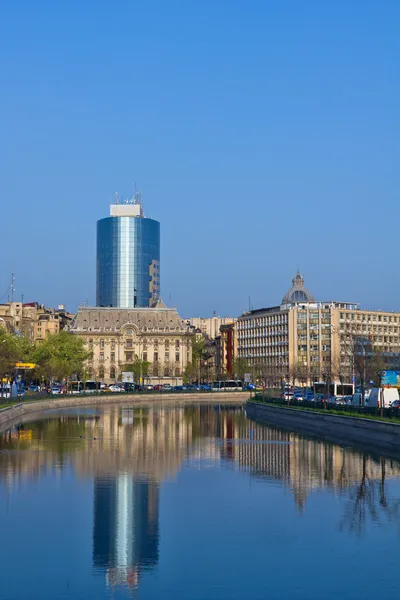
x,y
297,293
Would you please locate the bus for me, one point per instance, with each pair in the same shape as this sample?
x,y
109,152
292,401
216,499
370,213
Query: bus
x,y
81,387
232,385
335,388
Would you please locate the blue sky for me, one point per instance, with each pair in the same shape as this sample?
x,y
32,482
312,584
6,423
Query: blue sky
x,y
263,135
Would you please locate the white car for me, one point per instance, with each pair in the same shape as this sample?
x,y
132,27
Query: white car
x,y
116,388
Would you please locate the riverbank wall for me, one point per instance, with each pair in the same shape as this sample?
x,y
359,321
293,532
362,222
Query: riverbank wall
x,y
31,410
365,434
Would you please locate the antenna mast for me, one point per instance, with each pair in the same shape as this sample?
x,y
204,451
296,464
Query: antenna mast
x,y
12,288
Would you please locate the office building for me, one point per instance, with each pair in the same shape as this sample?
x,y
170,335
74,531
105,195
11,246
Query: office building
x,y
307,340
128,257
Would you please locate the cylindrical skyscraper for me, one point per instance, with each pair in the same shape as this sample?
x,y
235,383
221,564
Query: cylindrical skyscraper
x,y
128,257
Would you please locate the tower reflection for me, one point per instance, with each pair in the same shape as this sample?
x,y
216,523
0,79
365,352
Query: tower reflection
x,y
125,529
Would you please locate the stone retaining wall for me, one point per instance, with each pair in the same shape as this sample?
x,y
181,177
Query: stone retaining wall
x,y
11,415
367,434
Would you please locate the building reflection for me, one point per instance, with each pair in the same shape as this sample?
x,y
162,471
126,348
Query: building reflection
x,y
125,528
129,452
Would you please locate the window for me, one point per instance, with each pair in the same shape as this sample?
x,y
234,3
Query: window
x,y
167,344
90,341
166,372
155,356
177,372
177,357
177,344
112,372
166,355
155,343
101,355
155,370
128,356
101,343
112,344
112,356
129,343
145,356
101,372
129,332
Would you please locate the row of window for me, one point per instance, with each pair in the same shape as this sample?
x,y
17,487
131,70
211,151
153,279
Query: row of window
x,y
129,344
367,318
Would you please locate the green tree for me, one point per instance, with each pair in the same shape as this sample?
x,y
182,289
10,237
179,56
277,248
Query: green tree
x,y
61,355
139,368
240,367
13,348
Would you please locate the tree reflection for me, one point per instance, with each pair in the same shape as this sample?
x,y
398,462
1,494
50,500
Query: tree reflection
x,y
368,500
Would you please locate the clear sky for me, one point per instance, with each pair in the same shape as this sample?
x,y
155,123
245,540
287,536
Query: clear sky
x,y
263,135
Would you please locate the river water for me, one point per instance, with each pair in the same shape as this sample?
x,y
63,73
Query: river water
x,y
191,503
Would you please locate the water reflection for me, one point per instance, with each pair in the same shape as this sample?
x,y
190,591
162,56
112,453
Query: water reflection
x,y
125,529
129,452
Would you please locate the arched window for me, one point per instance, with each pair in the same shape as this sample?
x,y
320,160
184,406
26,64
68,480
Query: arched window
x,y
129,332
101,344
101,372
112,372
177,372
155,370
166,372
90,372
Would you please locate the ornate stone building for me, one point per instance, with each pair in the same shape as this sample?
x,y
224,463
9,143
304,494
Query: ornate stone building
x,y
118,336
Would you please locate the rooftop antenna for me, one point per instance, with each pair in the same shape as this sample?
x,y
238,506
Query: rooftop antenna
x,y
116,198
12,288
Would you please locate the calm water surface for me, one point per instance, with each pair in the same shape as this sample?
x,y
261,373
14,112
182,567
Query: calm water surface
x,y
191,503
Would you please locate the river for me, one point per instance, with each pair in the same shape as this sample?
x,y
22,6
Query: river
x,y
191,503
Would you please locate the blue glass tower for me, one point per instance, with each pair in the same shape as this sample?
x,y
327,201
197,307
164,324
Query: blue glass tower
x,y
128,257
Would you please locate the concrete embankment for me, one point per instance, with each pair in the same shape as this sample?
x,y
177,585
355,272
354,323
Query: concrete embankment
x,y
365,434
33,410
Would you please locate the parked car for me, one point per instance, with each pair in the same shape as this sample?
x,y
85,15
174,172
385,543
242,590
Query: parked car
x,y
55,390
116,388
166,387
287,396
395,404
149,387
205,387
178,388
34,388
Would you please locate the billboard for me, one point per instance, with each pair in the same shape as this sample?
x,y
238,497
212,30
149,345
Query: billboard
x,y
127,377
390,378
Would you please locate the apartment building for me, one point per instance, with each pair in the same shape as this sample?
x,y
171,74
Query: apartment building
x,y
210,326
34,320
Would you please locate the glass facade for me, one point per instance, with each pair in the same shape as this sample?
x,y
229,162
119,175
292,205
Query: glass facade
x,y
128,262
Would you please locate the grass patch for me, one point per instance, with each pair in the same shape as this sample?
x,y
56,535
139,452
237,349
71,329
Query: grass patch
x,y
331,411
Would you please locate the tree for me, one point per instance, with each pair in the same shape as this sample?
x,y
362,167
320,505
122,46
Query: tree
x,y
61,355
190,373
240,367
365,358
13,348
139,368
